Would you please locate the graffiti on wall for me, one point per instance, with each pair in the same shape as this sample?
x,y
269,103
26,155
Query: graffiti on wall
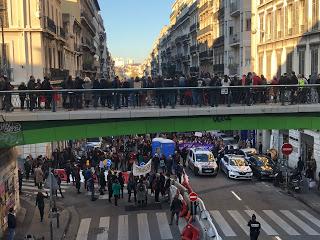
x,y
10,134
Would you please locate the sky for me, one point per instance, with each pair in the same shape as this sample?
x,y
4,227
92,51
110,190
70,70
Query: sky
x,y
133,25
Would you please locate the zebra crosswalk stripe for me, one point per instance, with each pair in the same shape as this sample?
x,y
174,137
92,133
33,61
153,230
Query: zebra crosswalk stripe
x,y
281,223
311,218
264,225
224,226
84,229
163,224
104,224
305,227
143,227
123,228
240,220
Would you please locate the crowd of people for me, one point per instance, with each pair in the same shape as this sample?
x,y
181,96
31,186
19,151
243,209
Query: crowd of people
x,y
136,96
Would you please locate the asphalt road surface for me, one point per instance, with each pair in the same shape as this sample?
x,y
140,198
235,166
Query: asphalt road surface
x,y
232,202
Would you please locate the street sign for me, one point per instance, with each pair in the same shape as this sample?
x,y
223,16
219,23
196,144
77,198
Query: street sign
x,y
287,149
193,197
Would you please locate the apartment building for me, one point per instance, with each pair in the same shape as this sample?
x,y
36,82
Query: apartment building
x,y
34,39
205,36
285,37
193,41
237,37
218,44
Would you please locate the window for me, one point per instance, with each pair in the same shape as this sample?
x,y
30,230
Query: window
x,y
261,63
289,61
268,27
279,53
289,20
248,24
268,75
302,56
315,14
302,20
4,13
315,60
261,27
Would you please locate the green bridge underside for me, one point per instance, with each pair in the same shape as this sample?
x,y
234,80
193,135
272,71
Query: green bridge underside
x,y
48,131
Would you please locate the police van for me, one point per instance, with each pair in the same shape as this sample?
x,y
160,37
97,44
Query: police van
x,y
202,162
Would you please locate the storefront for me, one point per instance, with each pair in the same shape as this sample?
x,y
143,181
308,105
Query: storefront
x,y
9,194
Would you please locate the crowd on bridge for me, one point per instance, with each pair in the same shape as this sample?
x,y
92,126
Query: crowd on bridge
x,y
193,91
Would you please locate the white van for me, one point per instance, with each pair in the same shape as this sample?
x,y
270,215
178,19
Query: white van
x,y
202,162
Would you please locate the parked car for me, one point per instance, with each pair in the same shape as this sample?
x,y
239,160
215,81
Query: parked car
x,y
247,152
262,166
202,162
236,167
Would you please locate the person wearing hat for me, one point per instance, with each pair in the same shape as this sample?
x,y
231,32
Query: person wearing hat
x,y
11,224
254,228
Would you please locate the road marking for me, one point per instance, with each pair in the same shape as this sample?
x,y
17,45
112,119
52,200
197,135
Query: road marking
x,y
123,230
305,227
278,238
278,220
240,220
164,228
236,195
143,227
308,216
224,226
83,229
104,224
264,225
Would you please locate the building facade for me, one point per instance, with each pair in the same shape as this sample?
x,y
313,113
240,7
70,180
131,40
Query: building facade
x,y
237,37
58,38
285,37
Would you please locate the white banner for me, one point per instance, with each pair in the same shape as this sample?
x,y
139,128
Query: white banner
x,y
141,170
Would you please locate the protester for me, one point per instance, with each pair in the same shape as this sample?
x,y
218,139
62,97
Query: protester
x,y
175,209
11,224
116,187
40,203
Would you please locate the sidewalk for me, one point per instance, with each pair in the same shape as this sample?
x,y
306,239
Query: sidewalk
x,y
30,223
310,198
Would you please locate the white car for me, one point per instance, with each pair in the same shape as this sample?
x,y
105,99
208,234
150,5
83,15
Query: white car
x,y
202,162
236,167
94,142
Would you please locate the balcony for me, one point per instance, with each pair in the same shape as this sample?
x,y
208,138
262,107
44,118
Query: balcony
x,y
205,30
234,39
205,7
86,19
235,8
50,25
58,74
182,38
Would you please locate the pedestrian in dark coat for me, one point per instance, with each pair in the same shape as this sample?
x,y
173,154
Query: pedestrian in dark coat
x,y
254,228
11,224
40,203
175,208
102,181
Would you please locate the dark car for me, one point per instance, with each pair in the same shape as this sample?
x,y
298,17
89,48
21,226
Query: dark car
x,y
262,166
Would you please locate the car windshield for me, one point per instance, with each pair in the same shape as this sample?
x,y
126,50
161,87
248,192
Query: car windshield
x,y
238,162
202,158
263,161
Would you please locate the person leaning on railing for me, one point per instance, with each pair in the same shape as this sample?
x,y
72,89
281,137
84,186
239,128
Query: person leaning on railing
x,y
22,96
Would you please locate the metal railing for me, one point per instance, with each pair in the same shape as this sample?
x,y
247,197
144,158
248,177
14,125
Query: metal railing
x,y
74,99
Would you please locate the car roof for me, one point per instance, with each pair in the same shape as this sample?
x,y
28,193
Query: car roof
x,y
234,156
248,149
200,150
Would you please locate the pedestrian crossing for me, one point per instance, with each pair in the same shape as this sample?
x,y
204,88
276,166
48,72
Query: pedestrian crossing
x,y
230,224
29,188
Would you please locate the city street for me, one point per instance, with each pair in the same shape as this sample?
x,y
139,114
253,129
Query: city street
x,y
230,203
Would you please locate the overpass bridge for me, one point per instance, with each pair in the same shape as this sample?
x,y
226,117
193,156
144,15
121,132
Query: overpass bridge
x,y
27,127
